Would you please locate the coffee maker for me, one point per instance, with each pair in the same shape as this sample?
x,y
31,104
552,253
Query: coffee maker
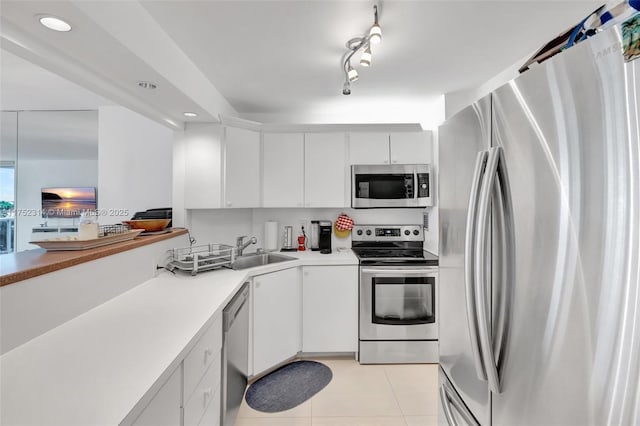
x,y
324,237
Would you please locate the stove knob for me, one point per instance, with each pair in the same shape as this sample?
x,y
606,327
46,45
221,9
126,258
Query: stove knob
x,y
406,232
368,231
359,232
416,232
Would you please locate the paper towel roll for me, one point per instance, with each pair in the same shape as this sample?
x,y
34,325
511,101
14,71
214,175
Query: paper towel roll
x,y
271,235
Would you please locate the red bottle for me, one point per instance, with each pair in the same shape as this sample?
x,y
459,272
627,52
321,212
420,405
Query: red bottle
x,y
301,239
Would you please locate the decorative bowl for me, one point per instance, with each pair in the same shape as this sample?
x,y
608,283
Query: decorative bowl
x,y
149,225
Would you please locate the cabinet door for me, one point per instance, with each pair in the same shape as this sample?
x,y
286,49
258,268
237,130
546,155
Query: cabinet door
x,y
276,318
164,408
330,308
368,148
283,170
325,183
241,168
203,163
410,148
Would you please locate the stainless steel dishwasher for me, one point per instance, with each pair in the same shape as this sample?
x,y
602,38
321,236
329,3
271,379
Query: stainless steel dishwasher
x,y
235,354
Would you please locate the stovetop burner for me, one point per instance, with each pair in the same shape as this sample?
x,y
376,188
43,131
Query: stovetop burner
x,y
391,245
385,253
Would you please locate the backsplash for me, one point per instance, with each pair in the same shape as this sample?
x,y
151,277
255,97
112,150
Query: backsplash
x,y
224,225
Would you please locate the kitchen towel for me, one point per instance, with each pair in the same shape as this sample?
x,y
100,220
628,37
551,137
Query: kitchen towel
x,y
271,235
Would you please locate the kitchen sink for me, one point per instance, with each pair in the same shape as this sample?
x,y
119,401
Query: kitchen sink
x,y
251,260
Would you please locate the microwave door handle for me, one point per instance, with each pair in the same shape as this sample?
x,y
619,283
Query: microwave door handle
x,y
415,185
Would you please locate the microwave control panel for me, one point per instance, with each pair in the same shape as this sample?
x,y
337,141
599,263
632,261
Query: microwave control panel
x,y
423,185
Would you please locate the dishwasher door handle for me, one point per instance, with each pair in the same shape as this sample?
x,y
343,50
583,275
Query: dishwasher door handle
x,y
233,308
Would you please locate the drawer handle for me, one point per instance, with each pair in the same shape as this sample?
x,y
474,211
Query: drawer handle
x,y
206,395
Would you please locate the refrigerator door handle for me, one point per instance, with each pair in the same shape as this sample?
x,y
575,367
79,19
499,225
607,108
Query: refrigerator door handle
x,y
503,208
450,398
482,265
469,258
446,405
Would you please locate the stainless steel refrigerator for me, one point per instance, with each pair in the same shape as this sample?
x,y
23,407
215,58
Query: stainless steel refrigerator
x,y
539,246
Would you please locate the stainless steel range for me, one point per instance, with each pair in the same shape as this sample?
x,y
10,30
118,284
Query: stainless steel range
x,y
398,295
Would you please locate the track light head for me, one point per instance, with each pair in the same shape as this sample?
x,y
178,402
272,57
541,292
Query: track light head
x,y
346,89
365,59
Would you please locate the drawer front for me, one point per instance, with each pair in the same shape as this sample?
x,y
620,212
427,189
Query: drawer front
x,y
211,416
202,356
207,392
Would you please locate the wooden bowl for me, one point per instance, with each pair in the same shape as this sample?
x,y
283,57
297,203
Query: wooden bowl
x,y
149,225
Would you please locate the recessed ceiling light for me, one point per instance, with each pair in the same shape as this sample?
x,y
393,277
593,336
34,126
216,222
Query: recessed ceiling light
x,y
189,114
54,23
147,85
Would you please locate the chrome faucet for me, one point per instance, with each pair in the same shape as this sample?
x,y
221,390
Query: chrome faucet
x,y
240,245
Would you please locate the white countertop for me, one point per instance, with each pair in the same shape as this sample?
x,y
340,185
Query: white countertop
x,y
94,369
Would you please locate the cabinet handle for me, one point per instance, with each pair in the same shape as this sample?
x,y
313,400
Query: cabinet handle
x,y
207,353
395,161
229,203
386,161
205,396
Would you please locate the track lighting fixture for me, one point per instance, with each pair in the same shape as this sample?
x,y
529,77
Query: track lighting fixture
x,y
374,36
365,59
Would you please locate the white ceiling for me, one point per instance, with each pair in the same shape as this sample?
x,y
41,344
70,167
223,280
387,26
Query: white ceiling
x,y
26,86
281,59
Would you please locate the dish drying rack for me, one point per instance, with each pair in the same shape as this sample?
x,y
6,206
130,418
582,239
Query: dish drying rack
x,y
201,258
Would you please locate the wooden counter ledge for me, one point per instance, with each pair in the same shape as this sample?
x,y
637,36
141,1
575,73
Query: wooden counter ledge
x,y
15,267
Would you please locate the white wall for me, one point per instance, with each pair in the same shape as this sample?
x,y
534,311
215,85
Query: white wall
x,y
32,176
431,236
135,163
224,225
456,101
32,307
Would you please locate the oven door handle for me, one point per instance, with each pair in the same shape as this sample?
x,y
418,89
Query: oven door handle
x,y
398,271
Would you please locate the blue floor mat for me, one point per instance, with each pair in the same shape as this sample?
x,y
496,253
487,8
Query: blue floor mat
x,y
288,386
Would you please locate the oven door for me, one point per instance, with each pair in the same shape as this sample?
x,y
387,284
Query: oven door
x,y
398,303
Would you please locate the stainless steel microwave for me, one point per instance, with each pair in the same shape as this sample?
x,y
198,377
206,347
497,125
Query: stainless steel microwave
x,y
389,186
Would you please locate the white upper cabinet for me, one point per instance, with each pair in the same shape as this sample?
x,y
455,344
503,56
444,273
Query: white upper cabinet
x,y
283,170
325,177
203,178
368,148
410,148
241,168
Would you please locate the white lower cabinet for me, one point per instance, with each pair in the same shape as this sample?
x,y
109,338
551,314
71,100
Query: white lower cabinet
x,y
276,318
164,407
330,308
191,396
202,375
207,393
211,416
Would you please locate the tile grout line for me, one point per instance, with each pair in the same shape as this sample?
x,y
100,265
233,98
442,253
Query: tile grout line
x,y
393,391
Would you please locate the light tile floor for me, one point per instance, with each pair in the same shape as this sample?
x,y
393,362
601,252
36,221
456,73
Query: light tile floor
x,y
362,395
